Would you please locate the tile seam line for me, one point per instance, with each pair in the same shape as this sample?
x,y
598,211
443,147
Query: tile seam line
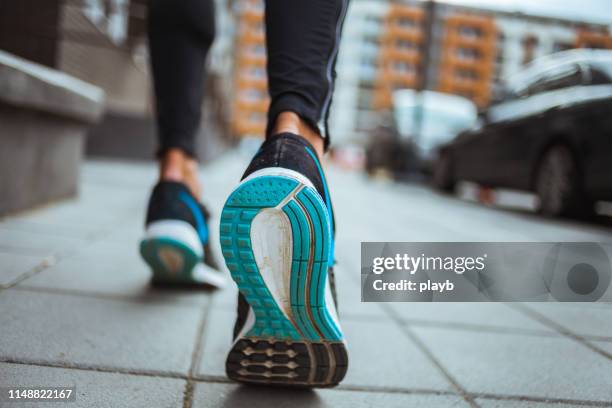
x,y
407,331
480,328
98,296
564,331
549,400
196,355
346,388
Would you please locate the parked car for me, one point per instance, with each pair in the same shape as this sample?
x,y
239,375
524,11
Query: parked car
x,y
550,132
443,116
387,152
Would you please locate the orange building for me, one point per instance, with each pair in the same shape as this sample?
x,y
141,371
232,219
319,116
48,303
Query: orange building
x,y
468,52
250,83
399,61
467,57
593,39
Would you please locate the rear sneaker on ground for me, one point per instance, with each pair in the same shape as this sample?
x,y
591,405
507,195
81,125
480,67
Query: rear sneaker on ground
x,y
277,240
176,244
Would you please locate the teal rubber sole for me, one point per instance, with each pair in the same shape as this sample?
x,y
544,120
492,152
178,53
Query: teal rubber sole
x,y
171,261
309,322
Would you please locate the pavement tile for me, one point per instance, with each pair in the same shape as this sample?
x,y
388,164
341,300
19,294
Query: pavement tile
x,y
217,342
110,253
379,354
349,299
82,231
584,319
604,345
510,364
226,298
96,389
491,403
130,280
38,244
63,329
89,210
478,314
14,265
208,395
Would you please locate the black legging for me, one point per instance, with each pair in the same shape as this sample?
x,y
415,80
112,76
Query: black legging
x,y
302,39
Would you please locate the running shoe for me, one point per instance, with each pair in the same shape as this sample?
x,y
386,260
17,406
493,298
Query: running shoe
x,y
277,240
176,242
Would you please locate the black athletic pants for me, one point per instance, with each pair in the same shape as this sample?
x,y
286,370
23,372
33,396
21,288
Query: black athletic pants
x,y
302,39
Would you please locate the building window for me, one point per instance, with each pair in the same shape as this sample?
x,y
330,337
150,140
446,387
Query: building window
x,y
252,95
406,23
110,16
530,43
466,74
562,46
256,117
405,45
469,32
403,67
469,54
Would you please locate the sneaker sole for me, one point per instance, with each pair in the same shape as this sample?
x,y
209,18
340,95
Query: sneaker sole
x,y
294,340
171,251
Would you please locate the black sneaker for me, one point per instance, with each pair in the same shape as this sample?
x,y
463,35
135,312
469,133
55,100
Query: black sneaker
x,y
175,245
277,240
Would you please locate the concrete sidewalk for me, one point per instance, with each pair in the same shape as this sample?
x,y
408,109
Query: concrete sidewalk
x,y
76,308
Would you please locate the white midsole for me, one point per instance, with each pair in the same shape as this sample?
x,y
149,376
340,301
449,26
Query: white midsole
x,y
272,245
177,230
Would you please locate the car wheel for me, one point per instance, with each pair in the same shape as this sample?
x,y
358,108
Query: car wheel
x,y
558,184
442,177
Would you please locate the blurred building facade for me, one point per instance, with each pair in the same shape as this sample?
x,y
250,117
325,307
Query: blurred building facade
x,y
384,44
103,42
471,51
250,101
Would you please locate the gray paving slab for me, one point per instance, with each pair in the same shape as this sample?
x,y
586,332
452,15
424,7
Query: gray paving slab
x,y
95,389
86,209
380,354
38,244
584,319
73,330
472,314
130,280
211,395
14,265
226,298
216,343
349,299
492,403
604,345
110,253
82,231
509,364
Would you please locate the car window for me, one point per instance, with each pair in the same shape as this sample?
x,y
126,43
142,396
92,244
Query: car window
x,y
600,72
557,77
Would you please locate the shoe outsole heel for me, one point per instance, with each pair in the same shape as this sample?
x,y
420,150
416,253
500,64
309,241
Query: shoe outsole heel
x,y
304,347
171,261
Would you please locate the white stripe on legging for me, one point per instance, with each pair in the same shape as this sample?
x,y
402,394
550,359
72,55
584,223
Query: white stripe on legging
x,y
330,65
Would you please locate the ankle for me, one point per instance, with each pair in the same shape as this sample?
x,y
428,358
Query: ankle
x,y
177,166
292,123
